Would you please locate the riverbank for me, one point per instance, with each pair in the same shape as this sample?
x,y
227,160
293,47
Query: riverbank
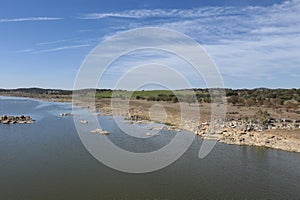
x,y
278,135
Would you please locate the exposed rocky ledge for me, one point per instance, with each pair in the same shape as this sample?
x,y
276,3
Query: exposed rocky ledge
x,y
5,119
272,134
254,134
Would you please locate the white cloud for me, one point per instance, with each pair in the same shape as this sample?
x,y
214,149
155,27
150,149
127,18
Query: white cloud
x,y
142,13
25,50
247,43
165,13
30,19
209,24
52,42
63,48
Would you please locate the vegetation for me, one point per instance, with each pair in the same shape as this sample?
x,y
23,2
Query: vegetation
x,y
270,98
262,116
288,99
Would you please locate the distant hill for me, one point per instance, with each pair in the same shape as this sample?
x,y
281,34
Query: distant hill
x,y
37,91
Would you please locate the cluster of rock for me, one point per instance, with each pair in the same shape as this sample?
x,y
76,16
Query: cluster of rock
x,y
248,126
284,124
137,117
66,114
5,119
246,133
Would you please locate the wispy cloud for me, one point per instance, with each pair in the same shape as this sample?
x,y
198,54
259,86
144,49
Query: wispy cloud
x,y
62,48
161,13
30,19
51,42
260,43
214,22
24,50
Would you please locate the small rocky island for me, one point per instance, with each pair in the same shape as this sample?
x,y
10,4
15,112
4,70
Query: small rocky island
x,y
5,119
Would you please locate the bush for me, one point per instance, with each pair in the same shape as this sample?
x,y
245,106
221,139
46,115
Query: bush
x,y
151,98
139,97
174,99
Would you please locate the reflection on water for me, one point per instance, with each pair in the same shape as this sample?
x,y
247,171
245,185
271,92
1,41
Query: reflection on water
x,y
46,160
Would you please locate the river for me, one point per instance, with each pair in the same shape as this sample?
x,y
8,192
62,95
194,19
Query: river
x,y
46,160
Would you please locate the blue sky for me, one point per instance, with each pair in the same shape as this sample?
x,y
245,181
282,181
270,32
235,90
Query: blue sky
x,y
253,43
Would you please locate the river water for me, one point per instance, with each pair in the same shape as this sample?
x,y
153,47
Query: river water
x,y
47,160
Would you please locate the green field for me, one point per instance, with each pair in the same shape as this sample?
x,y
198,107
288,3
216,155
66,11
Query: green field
x,y
270,98
144,94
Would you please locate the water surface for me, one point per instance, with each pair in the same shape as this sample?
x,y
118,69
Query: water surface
x,y
47,160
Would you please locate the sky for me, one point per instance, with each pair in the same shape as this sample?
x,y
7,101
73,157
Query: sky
x,y
253,43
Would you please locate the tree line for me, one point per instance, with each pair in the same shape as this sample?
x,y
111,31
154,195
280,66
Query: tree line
x,y
270,98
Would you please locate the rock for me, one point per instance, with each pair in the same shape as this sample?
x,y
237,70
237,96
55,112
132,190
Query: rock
x,y
5,121
11,118
66,114
84,121
4,118
97,130
104,132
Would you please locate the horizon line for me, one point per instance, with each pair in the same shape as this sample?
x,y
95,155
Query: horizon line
x,y
115,89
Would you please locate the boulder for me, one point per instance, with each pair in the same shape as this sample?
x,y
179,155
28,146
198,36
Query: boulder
x,y
84,121
5,121
104,132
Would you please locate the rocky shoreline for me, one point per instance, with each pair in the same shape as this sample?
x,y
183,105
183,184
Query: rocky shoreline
x,y
240,135
243,134
281,134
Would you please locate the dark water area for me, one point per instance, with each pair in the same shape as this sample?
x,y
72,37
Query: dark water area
x,y
47,160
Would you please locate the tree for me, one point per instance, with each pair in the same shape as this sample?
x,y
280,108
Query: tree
x,y
174,99
206,100
235,100
163,97
139,97
151,98
262,116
